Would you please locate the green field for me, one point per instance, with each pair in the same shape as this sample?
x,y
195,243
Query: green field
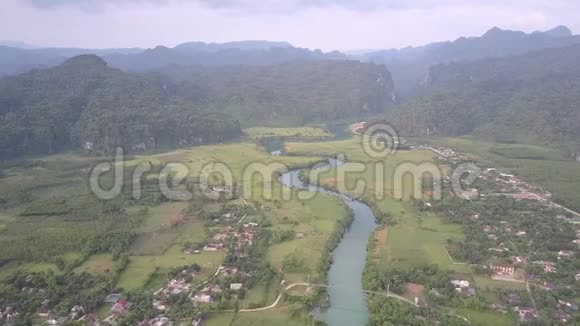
x,y
276,316
230,159
97,264
141,267
559,176
313,133
418,238
482,318
490,284
316,219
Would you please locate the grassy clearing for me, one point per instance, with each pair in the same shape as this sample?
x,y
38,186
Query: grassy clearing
x,y
44,177
490,284
529,152
9,269
160,216
277,316
314,133
351,148
97,264
315,220
483,318
231,159
263,294
419,238
560,177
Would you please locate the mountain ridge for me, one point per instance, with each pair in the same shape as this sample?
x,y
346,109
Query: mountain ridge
x,y
410,65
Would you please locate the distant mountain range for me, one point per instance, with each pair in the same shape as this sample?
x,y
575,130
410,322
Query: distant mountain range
x,y
504,85
410,65
17,59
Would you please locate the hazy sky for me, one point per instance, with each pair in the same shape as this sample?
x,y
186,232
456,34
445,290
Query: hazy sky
x,y
324,24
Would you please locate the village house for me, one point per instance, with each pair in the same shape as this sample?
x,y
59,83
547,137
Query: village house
x,y
503,269
76,312
470,194
565,254
202,298
157,321
488,228
236,286
57,321
563,317
177,286
568,305
159,305
358,126
228,271
549,267
8,313
213,246
197,321
463,287
112,298
499,249
526,313
122,307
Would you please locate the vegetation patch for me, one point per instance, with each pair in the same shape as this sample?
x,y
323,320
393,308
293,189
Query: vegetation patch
x,y
306,133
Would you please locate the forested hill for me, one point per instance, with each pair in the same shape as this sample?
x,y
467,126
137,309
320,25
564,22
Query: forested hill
x,y
85,104
529,98
294,93
188,54
16,60
410,65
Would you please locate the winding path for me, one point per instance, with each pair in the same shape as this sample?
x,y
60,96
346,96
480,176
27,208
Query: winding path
x,y
273,305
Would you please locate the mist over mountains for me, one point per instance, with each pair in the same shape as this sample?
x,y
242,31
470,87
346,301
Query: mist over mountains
x,y
410,65
494,86
14,60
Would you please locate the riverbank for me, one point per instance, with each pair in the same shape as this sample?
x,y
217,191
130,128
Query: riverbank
x,y
344,257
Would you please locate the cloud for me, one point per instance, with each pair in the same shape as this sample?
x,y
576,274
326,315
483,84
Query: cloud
x,y
298,5
325,24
